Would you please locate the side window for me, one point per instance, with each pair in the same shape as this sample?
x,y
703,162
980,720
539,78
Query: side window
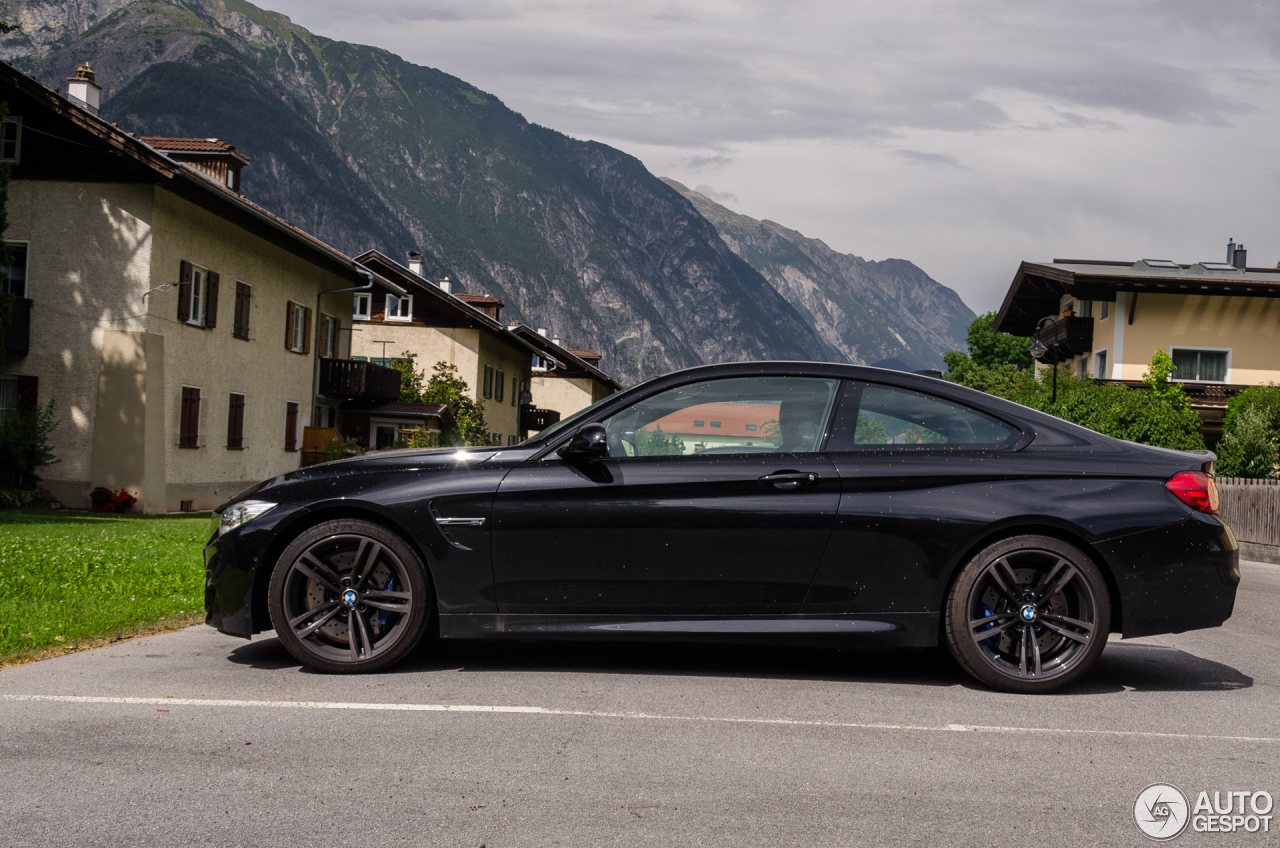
x,y
748,415
892,417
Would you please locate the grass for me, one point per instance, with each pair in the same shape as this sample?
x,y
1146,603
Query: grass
x,y
67,578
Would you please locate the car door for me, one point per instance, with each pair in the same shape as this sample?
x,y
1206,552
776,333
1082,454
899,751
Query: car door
x,y
919,475
713,500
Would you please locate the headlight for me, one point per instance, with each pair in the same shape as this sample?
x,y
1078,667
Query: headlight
x,y
238,514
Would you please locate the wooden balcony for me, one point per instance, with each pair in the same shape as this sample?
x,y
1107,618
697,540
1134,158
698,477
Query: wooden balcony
x,y
535,420
347,378
1073,336
17,336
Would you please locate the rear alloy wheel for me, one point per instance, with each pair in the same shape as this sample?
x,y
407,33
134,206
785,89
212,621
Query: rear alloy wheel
x,y
1028,614
349,596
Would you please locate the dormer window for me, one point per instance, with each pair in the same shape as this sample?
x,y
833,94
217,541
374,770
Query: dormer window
x,y
11,140
399,308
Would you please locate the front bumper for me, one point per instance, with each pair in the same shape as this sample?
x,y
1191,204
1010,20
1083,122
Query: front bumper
x,y
1176,578
235,564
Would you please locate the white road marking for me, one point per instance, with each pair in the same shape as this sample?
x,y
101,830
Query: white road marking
x,y
480,708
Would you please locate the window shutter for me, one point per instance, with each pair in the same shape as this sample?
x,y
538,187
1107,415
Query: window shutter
x,y
306,331
241,328
211,301
235,422
28,394
189,423
184,290
288,325
291,426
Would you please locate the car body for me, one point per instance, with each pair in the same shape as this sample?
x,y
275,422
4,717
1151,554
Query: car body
x,y
823,521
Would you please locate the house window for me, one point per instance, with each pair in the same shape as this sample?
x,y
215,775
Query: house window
x,y
715,425
1086,309
197,296
1082,366
488,381
8,396
189,422
11,140
751,428
700,423
297,331
244,299
1209,366
235,422
1106,311
291,426
360,310
13,278
1100,363
399,308
499,385
329,345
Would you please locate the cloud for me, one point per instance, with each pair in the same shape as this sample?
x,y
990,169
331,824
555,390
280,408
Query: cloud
x,y
919,157
718,196
704,161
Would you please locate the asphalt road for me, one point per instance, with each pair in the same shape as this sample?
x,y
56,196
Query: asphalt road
x,y
629,744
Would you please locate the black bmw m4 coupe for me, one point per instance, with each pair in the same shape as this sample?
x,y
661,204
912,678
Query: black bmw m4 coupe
x,y
751,502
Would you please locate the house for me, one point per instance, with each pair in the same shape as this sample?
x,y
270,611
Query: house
x,y
185,334
1220,321
565,379
436,325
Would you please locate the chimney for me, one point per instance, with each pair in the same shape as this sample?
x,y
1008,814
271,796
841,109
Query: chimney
x,y
83,89
1239,257
415,262
446,286
542,331
511,325
556,341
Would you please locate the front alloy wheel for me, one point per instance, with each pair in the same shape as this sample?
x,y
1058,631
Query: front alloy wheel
x,y
1028,614
349,596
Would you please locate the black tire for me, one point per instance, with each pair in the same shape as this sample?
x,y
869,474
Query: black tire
x,y
350,596
1044,602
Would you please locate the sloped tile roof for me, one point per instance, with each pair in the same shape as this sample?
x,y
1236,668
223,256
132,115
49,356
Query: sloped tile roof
x,y
192,145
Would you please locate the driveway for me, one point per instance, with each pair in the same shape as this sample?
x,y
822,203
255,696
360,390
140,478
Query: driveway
x,y
198,738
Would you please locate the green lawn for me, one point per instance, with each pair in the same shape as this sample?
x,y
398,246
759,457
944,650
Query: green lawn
x,y
66,577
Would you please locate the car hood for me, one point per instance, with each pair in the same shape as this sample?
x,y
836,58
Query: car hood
x,y
371,462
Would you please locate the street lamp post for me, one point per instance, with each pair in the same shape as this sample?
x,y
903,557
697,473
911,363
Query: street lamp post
x,y
1039,351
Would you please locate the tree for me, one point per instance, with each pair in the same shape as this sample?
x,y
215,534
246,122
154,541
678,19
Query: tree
x,y
445,386
996,362
25,445
1248,450
412,381
657,443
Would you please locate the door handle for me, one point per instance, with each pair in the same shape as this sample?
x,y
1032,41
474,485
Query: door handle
x,y
787,480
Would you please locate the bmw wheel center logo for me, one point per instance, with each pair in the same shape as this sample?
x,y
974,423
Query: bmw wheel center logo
x,y
1028,612
349,597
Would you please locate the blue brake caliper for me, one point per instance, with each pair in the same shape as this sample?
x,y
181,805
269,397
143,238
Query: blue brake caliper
x,y
382,615
994,642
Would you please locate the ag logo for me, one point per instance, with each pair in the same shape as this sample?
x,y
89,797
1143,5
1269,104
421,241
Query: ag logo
x,y
1161,811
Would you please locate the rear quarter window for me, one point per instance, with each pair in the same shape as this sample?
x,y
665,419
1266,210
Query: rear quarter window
x,y
873,416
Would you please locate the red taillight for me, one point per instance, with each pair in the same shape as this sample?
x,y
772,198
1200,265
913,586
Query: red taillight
x,y
1195,489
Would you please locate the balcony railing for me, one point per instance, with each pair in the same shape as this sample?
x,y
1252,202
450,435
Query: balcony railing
x,y
536,420
347,378
1073,336
17,336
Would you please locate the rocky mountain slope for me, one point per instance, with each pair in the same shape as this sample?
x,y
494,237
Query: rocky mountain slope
x,y
366,150
869,311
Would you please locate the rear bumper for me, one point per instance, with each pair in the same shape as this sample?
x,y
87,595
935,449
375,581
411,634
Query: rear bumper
x,y
1176,578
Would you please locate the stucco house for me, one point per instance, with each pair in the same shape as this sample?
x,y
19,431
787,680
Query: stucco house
x,y
565,379
184,332
1220,321
437,325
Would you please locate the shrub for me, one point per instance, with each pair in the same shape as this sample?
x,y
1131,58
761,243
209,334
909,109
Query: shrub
x,y
25,445
1248,449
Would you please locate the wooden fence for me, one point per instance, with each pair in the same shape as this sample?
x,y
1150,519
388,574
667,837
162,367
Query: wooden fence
x,y
1251,508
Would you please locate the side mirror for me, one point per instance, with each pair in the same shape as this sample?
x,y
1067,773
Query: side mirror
x,y
590,442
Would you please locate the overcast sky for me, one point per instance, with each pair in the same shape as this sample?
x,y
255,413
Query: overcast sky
x,y
964,136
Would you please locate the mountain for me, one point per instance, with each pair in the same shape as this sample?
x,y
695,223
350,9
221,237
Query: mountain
x,y
869,311
366,150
